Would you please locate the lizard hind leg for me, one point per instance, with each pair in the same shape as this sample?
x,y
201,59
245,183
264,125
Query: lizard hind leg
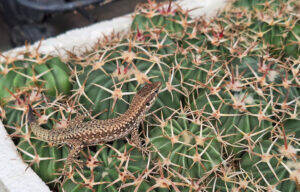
x,y
76,120
75,148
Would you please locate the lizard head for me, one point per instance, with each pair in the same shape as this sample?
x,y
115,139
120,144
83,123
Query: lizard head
x,y
147,94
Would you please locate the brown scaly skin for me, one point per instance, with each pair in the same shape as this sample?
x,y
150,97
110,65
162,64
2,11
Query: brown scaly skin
x,y
79,134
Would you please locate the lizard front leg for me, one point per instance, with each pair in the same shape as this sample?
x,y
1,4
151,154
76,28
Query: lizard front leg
x,y
136,140
135,137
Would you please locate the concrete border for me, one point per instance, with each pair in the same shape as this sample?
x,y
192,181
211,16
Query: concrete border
x,y
13,176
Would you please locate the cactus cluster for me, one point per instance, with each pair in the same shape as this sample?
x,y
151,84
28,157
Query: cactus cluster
x,y
226,119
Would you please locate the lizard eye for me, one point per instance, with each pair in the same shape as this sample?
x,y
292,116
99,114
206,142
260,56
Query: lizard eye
x,y
148,104
156,91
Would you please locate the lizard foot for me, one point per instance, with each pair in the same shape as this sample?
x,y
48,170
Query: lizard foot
x,y
68,169
138,145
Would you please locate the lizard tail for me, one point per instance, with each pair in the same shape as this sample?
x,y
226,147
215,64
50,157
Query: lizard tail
x,y
40,132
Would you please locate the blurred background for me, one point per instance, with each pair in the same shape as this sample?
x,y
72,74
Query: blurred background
x,y
31,20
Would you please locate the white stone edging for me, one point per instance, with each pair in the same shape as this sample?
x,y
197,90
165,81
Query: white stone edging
x,y
14,176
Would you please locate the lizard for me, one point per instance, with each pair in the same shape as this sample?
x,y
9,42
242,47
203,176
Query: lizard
x,y
79,133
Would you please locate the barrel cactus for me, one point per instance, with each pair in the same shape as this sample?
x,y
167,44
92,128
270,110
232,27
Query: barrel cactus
x,y
50,74
226,118
274,25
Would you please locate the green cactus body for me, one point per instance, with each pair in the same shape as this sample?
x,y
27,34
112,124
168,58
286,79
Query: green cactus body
x,y
169,22
47,167
120,79
262,163
233,124
24,75
278,23
110,169
176,143
226,117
